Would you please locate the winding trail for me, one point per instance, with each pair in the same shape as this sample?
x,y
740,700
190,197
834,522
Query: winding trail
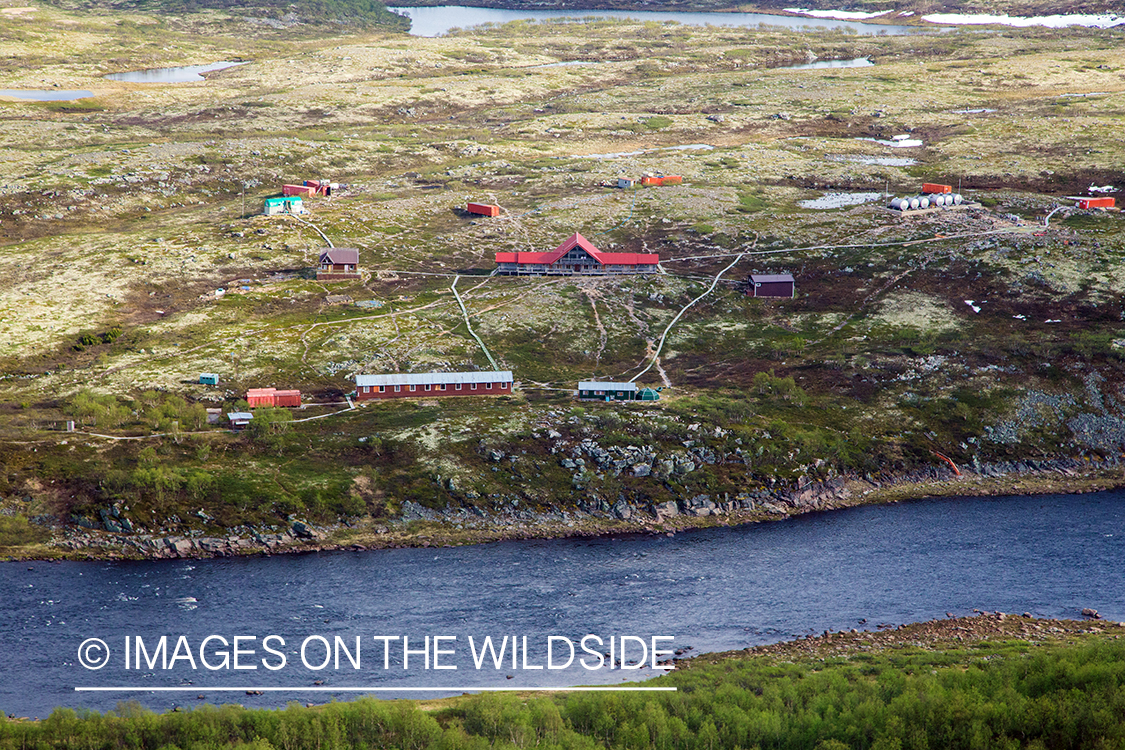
x,y
469,325
314,227
664,336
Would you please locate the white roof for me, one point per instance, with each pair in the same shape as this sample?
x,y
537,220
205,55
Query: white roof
x,y
238,416
434,378
598,385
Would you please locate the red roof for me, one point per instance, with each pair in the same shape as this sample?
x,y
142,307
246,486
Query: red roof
x,y
577,240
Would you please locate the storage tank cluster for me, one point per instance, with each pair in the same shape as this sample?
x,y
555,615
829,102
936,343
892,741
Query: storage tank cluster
x,y
926,201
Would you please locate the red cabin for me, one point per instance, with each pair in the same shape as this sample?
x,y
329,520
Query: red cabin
x,y
1085,203
484,209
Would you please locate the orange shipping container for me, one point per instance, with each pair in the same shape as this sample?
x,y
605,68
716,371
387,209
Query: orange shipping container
x,y
484,209
1096,203
671,179
650,180
932,187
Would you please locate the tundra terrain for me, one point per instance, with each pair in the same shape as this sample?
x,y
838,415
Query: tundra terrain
x,y
963,350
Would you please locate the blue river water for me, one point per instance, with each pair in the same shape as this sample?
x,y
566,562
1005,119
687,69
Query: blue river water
x,y
712,590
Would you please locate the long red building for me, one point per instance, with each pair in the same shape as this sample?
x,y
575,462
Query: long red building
x,y
413,385
575,256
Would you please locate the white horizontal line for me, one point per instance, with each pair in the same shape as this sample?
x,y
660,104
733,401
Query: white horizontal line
x,y
454,688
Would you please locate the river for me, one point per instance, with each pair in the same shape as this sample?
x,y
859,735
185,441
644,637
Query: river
x,y
438,20
713,589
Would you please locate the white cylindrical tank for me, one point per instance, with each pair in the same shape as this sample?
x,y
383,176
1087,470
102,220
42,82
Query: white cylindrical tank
x,y
896,203
914,203
923,202
957,199
938,200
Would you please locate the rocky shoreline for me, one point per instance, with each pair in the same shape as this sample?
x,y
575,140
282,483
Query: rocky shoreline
x,y
594,516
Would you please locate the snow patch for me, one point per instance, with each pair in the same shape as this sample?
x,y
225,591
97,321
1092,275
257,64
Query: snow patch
x,y
840,15
1093,20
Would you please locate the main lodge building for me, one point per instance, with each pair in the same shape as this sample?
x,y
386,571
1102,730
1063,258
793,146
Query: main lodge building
x,y
575,256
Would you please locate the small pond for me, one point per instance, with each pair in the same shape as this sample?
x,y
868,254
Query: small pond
x,y
859,62
839,200
46,95
182,74
878,161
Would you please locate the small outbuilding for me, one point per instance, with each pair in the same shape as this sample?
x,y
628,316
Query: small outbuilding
x,y
483,209
338,264
283,205
604,390
772,285
239,419
1088,203
208,378
259,397
625,183
304,191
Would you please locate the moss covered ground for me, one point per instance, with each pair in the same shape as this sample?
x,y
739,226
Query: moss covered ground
x,y
133,259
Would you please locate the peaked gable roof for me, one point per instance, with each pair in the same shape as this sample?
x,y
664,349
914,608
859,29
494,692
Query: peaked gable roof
x,y
577,240
340,255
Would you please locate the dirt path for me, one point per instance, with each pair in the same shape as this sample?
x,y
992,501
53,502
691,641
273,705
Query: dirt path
x,y
591,293
656,354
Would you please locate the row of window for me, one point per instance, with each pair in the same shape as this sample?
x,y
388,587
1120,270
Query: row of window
x,y
428,387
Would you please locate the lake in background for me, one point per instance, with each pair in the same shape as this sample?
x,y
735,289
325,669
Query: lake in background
x,y
713,589
435,21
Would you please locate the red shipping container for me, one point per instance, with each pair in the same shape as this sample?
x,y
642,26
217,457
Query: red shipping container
x,y
650,180
288,398
1085,203
301,190
261,397
484,209
932,188
671,179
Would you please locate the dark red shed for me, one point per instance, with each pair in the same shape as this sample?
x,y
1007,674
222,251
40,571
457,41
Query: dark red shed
x,y
772,285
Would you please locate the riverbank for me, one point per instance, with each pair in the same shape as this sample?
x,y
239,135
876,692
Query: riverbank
x,y
938,654
422,527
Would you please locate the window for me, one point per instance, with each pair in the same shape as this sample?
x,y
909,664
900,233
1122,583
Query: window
x,y
367,389
382,389
413,388
458,387
488,386
428,386
474,386
398,388
441,386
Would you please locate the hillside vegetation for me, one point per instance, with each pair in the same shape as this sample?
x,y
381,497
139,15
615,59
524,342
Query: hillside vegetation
x,y
973,350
